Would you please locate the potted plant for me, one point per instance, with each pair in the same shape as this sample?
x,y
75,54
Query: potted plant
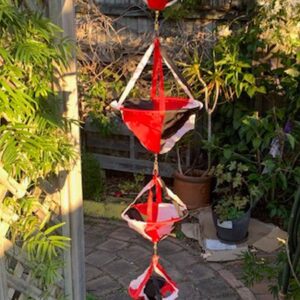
x,y
193,186
232,205
225,75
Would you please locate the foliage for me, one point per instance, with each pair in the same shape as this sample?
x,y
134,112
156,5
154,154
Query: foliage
x,y
90,297
289,280
132,186
96,93
271,154
101,73
255,269
253,76
265,134
42,243
182,9
234,191
225,76
33,135
93,179
29,56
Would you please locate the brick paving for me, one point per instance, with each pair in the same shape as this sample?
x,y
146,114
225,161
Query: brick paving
x,y
115,255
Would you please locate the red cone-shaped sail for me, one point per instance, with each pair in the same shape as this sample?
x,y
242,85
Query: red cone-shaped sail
x,y
144,288
161,121
154,219
157,4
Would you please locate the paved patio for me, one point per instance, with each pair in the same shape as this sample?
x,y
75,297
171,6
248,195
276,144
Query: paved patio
x,y
116,254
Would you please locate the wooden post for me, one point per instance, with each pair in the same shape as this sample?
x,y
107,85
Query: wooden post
x,y
3,278
3,230
62,13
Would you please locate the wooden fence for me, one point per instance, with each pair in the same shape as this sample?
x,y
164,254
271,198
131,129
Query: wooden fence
x,y
121,151
133,16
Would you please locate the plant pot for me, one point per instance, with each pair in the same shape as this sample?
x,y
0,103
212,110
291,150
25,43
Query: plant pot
x,y
232,231
194,190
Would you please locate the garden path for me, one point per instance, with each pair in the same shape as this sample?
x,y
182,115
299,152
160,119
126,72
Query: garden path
x,y
115,255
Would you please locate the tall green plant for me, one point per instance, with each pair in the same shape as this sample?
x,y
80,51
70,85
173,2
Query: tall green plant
x,y
290,282
283,273
226,76
267,138
253,81
33,135
30,55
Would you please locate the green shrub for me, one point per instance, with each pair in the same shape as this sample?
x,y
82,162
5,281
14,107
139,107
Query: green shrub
x,y
34,140
253,81
90,297
93,179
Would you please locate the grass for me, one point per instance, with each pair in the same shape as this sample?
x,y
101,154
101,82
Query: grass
x,y
90,297
103,209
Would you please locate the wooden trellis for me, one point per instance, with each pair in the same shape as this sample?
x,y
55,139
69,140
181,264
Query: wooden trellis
x,y
16,273
63,198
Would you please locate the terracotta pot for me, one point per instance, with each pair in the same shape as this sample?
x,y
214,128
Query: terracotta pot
x,y
193,189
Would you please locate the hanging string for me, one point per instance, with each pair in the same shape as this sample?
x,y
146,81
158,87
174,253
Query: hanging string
x,y
155,165
155,249
156,23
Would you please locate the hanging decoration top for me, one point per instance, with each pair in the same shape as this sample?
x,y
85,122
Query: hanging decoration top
x,y
160,122
159,4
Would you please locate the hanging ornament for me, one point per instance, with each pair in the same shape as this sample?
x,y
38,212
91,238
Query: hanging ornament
x,y
154,283
159,4
160,122
155,218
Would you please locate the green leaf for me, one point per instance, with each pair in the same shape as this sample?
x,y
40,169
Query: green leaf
x,y
45,220
53,228
298,57
291,140
261,89
256,142
251,91
283,180
227,153
249,78
292,72
249,135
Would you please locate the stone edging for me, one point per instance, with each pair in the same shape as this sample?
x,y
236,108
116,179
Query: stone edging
x,y
244,292
237,285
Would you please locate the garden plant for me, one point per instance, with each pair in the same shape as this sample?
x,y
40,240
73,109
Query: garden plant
x,y
33,136
253,76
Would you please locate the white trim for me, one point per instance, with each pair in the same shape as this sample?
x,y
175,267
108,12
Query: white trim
x,y
167,5
184,87
171,3
134,284
135,76
170,142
